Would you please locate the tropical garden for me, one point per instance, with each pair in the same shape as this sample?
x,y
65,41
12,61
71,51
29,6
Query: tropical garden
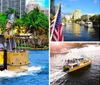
x,y
34,23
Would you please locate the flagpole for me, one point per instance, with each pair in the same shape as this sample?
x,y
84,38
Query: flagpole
x,y
1,5
20,9
55,22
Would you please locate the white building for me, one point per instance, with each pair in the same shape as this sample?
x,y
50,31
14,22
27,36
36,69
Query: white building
x,y
77,14
68,17
45,11
33,4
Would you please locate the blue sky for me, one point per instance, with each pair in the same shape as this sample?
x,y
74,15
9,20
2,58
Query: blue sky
x,y
43,3
87,6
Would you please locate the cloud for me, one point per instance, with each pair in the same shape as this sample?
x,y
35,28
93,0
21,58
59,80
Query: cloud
x,y
68,5
96,2
66,13
62,6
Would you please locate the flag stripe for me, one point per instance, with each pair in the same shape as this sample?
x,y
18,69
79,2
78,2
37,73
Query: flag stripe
x,y
57,29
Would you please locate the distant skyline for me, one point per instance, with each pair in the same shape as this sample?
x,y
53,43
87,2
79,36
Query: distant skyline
x,y
43,3
86,6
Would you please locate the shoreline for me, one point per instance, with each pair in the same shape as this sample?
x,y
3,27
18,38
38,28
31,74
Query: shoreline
x,y
37,49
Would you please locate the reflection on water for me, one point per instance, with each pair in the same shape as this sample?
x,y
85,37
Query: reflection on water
x,y
76,29
75,32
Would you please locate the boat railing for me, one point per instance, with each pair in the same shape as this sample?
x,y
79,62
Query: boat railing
x,y
16,42
73,61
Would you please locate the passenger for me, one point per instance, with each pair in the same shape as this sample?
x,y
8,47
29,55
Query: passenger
x,y
68,61
1,47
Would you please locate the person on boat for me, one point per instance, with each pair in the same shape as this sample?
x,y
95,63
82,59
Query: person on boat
x,y
1,47
9,30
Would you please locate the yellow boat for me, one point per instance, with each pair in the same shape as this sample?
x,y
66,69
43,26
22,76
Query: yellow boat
x,y
10,55
76,63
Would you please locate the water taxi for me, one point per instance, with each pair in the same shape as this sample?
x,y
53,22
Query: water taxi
x,y
76,63
12,55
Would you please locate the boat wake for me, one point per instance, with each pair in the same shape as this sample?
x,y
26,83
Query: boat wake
x,y
10,74
57,76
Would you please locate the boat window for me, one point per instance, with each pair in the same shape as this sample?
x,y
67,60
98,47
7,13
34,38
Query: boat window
x,y
75,65
81,59
11,44
1,44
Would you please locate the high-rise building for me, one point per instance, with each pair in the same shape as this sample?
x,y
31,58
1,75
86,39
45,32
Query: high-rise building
x,y
18,5
52,7
76,14
45,11
68,17
33,4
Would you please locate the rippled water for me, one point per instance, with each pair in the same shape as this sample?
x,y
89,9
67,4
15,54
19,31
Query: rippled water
x,y
37,73
75,32
86,76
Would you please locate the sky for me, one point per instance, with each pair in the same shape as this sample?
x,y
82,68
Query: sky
x,y
43,3
86,6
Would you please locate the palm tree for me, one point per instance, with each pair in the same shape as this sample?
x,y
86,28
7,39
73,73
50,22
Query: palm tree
x,y
3,22
35,20
10,11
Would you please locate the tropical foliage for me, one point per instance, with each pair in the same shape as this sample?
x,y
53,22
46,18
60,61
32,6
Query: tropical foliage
x,y
34,22
95,19
3,19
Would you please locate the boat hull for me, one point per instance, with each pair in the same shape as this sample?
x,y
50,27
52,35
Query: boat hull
x,y
82,65
79,67
14,60
17,58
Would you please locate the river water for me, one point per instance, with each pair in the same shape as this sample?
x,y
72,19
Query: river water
x,y
37,73
75,32
86,76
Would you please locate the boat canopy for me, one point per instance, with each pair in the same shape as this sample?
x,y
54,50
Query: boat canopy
x,y
13,43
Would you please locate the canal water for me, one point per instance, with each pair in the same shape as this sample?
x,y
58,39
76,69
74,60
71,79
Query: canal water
x,y
75,32
86,76
37,73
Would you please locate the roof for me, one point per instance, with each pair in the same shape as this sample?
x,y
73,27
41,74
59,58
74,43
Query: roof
x,y
33,2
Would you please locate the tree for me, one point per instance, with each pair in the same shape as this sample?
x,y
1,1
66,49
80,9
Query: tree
x,y
95,19
3,19
35,20
10,11
64,19
78,20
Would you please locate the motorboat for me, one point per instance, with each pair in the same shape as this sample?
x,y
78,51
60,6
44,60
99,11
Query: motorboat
x,y
12,55
82,23
88,24
76,63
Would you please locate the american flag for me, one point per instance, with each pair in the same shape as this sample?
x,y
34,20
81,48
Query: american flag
x,y
11,18
56,31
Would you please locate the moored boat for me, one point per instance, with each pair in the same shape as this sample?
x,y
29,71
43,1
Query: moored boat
x,y
88,24
76,63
